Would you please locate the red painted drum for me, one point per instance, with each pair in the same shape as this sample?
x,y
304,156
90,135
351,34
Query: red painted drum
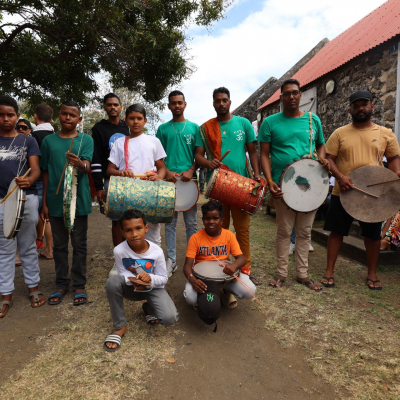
x,y
235,190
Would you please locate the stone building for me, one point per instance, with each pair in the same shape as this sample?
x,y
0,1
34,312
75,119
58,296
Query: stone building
x,y
365,56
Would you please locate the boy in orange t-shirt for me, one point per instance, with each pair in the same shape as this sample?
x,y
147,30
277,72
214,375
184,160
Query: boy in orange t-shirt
x,y
214,242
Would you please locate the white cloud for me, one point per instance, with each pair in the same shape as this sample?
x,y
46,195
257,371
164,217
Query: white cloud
x,y
267,43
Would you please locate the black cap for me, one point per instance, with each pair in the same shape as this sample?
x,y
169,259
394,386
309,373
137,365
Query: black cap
x,y
360,94
209,304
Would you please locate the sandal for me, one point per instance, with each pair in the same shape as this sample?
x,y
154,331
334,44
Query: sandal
x,y
309,284
256,281
113,338
57,293
373,287
229,300
327,284
151,319
80,295
5,303
36,299
277,280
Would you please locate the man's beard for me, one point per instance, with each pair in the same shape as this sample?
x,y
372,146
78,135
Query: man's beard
x,y
363,118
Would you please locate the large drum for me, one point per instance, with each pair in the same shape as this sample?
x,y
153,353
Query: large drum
x,y
155,199
235,190
13,211
70,195
187,194
212,271
305,185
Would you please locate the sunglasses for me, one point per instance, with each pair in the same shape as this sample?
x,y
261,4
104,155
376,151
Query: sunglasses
x,y
23,127
295,93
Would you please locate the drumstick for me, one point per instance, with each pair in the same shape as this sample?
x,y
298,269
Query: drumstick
x,y
65,167
381,183
15,187
44,227
363,191
224,155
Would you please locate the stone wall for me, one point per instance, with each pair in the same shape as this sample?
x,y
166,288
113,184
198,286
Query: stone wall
x,y
375,71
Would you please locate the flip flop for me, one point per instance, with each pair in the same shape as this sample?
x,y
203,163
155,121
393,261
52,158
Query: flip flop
x,y
151,319
328,285
373,287
80,295
5,303
277,280
227,299
256,281
58,294
44,257
36,299
113,338
309,284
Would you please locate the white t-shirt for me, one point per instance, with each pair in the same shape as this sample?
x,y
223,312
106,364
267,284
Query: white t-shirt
x,y
152,262
143,151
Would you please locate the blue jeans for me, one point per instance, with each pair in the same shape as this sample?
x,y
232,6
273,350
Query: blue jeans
x,y
26,240
190,218
39,188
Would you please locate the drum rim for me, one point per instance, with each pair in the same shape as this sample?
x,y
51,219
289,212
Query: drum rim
x,y
21,198
280,184
197,199
227,278
211,183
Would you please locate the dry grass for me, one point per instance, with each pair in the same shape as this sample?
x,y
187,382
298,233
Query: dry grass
x,y
351,334
74,365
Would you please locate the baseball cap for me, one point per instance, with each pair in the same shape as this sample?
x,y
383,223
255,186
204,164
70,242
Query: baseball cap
x,y
360,94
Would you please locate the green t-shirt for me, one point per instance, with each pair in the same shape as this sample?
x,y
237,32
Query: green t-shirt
x,y
239,132
289,138
179,144
53,160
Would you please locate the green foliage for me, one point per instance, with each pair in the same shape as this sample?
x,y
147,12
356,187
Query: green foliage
x,y
52,50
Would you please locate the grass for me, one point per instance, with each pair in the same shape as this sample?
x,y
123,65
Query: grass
x,y
351,334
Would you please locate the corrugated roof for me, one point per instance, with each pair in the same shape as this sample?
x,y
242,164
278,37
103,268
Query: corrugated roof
x,y
376,28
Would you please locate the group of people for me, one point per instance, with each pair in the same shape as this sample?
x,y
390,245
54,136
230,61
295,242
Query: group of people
x,y
180,147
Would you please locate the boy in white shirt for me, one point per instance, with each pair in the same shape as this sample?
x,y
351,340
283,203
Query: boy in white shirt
x,y
139,157
138,261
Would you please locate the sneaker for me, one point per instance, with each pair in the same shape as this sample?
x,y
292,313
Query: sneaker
x,y
292,248
171,267
95,203
114,270
310,248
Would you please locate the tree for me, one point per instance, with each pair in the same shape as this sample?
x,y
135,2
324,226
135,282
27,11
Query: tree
x,y
52,50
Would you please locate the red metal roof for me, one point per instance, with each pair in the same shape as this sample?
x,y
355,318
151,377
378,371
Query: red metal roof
x,y
377,27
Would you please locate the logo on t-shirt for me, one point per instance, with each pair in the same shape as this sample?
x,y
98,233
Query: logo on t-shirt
x,y
12,153
138,266
188,139
239,135
216,250
113,138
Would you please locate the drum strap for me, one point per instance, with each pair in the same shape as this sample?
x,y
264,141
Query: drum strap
x,y
311,134
126,152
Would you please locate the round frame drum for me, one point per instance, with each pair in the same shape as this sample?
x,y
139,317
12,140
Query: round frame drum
x,y
187,194
235,190
13,211
212,271
305,185
70,195
366,208
156,199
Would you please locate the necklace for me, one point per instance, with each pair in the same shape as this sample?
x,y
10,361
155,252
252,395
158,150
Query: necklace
x,y
227,126
178,133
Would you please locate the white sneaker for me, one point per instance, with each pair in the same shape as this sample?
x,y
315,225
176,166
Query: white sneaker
x,y
171,267
114,270
310,248
292,248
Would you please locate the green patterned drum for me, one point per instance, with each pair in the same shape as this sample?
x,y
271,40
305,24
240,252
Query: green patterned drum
x,y
155,199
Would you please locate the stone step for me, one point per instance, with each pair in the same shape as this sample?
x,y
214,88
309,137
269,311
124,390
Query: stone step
x,y
353,247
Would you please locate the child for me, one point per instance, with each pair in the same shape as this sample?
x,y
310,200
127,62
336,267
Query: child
x,y
144,151
147,261
17,154
55,152
206,245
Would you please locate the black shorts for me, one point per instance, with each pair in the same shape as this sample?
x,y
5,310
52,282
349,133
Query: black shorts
x,y
339,221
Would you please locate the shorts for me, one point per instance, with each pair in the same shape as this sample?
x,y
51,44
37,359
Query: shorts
x,y
39,188
339,221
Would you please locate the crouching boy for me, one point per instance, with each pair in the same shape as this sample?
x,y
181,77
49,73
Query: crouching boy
x,y
142,275
212,243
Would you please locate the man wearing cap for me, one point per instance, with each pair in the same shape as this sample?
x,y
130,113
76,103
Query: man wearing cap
x,y
350,147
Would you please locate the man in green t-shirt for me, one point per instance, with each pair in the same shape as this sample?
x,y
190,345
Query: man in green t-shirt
x,y
55,152
285,137
178,138
216,136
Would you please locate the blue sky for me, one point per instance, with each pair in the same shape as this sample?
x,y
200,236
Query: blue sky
x,y
259,39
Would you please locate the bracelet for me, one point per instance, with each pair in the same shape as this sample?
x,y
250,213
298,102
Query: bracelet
x,y
189,277
340,178
270,180
84,167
